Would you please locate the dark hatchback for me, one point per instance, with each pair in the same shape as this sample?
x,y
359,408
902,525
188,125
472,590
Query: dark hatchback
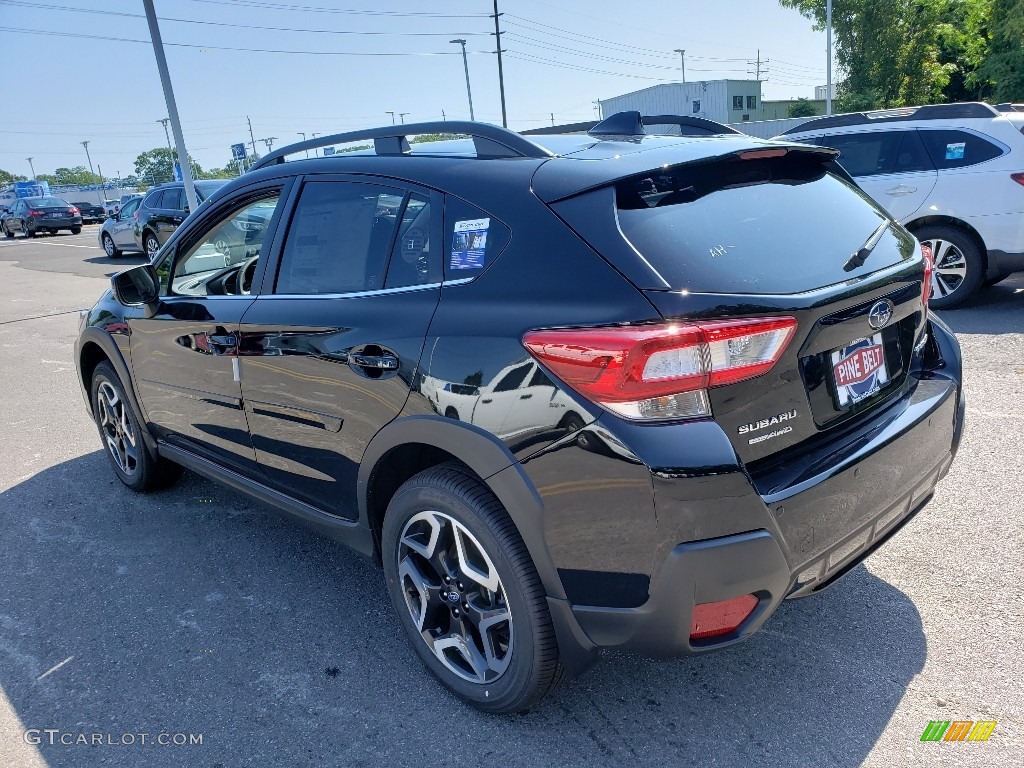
x,y
701,373
35,215
162,209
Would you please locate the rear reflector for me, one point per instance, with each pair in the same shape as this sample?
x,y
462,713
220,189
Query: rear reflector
x,y
662,371
929,267
716,619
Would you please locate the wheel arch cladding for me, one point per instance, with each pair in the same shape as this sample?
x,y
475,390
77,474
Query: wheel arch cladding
x,y
410,445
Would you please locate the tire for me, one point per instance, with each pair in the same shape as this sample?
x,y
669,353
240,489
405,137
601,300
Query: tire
x,y
7,232
29,232
76,230
109,248
121,436
150,245
451,413
959,268
524,664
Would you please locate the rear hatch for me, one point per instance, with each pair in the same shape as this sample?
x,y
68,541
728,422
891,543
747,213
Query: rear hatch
x,y
772,233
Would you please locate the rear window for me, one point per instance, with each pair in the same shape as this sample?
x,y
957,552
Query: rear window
x,y
49,202
780,225
957,149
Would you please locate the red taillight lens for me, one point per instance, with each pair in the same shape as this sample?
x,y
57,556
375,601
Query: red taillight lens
x,y
35,213
929,267
1018,177
716,619
661,371
73,211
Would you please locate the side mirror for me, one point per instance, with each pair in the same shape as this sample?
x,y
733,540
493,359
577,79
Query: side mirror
x,y
136,286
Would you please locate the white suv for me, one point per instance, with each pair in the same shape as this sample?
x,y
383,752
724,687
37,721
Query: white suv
x,y
951,173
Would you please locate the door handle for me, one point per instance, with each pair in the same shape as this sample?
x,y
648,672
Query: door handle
x,y
525,397
222,344
381,362
487,400
901,190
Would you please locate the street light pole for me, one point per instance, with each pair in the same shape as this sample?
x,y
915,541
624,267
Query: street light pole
x,y
828,82
465,65
682,61
316,152
172,106
303,135
401,116
387,112
32,167
99,193
165,121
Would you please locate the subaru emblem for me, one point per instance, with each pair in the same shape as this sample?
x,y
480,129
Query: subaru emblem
x,y
880,314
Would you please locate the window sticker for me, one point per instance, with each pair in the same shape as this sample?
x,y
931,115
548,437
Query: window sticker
x,y
469,244
955,151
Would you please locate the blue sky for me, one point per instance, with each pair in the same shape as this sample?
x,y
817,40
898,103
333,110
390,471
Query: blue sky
x,y
328,66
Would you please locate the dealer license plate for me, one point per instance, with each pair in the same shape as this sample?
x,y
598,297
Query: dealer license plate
x,y
858,370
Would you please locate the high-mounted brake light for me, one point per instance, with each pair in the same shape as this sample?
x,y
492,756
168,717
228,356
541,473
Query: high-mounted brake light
x,y
929,268
651,372
762,154
1018,177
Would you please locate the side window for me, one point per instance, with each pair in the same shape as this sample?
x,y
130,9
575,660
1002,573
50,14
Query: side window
x,y
751,102
513,379
129,208
472,239
339,238
866,154
957,149
173,200
912,155
737,103
413,260
222,260
540,379
154,199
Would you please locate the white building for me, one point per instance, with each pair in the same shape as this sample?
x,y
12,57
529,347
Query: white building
x,y
724,101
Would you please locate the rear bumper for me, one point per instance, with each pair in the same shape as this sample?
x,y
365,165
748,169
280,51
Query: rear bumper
x,y
36,225
805,537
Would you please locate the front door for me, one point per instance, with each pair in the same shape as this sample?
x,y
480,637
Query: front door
x,y
327,358
122,229
185,354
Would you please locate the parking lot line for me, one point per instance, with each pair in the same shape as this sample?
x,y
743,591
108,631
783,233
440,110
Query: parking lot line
x,y
43,242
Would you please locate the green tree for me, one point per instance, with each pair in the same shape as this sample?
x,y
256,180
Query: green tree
x,y
963,46
802,108
155,166
77,175
1004,65
887,50
6,177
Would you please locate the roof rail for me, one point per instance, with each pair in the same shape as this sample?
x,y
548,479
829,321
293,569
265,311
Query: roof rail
x,y
631,123
489,140
1007,107
962,110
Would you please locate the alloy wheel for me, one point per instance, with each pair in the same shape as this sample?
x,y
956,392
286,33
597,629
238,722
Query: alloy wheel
x,y
117,428
108,246
455,597
950,268
152,246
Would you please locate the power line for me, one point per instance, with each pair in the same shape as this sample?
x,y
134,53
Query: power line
x,y
566,65
228,48
346,12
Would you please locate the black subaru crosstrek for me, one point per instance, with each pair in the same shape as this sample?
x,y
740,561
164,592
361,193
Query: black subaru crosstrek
x,y
612,390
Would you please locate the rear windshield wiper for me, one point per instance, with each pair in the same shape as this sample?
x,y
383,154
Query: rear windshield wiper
x,y
858,259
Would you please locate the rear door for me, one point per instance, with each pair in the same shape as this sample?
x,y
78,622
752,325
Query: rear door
x,y
329,351
170,214
891,166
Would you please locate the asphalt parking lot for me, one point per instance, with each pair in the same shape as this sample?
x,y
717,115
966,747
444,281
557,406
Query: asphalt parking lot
x,y
194,611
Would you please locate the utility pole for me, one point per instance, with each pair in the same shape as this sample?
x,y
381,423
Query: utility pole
x,y
501,73
387,112
443,115
269,141
552,119
757,71
32,167
100,191
165,121
303,135
172,106
597,108
828,81
253,142
465,65
682,62
401,116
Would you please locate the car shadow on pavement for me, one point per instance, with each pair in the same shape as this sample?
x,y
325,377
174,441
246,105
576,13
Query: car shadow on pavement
x,y
995,310
193,611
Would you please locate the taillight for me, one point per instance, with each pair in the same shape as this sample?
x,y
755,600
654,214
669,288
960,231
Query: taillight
x,y
136,214
1018,177
73,211
717,619
35,213
929,267
662,371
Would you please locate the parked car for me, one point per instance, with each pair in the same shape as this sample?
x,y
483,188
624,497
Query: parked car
x,y
111,207
91,212
129,196
163,208
118,232
767,410
34,215
953,174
